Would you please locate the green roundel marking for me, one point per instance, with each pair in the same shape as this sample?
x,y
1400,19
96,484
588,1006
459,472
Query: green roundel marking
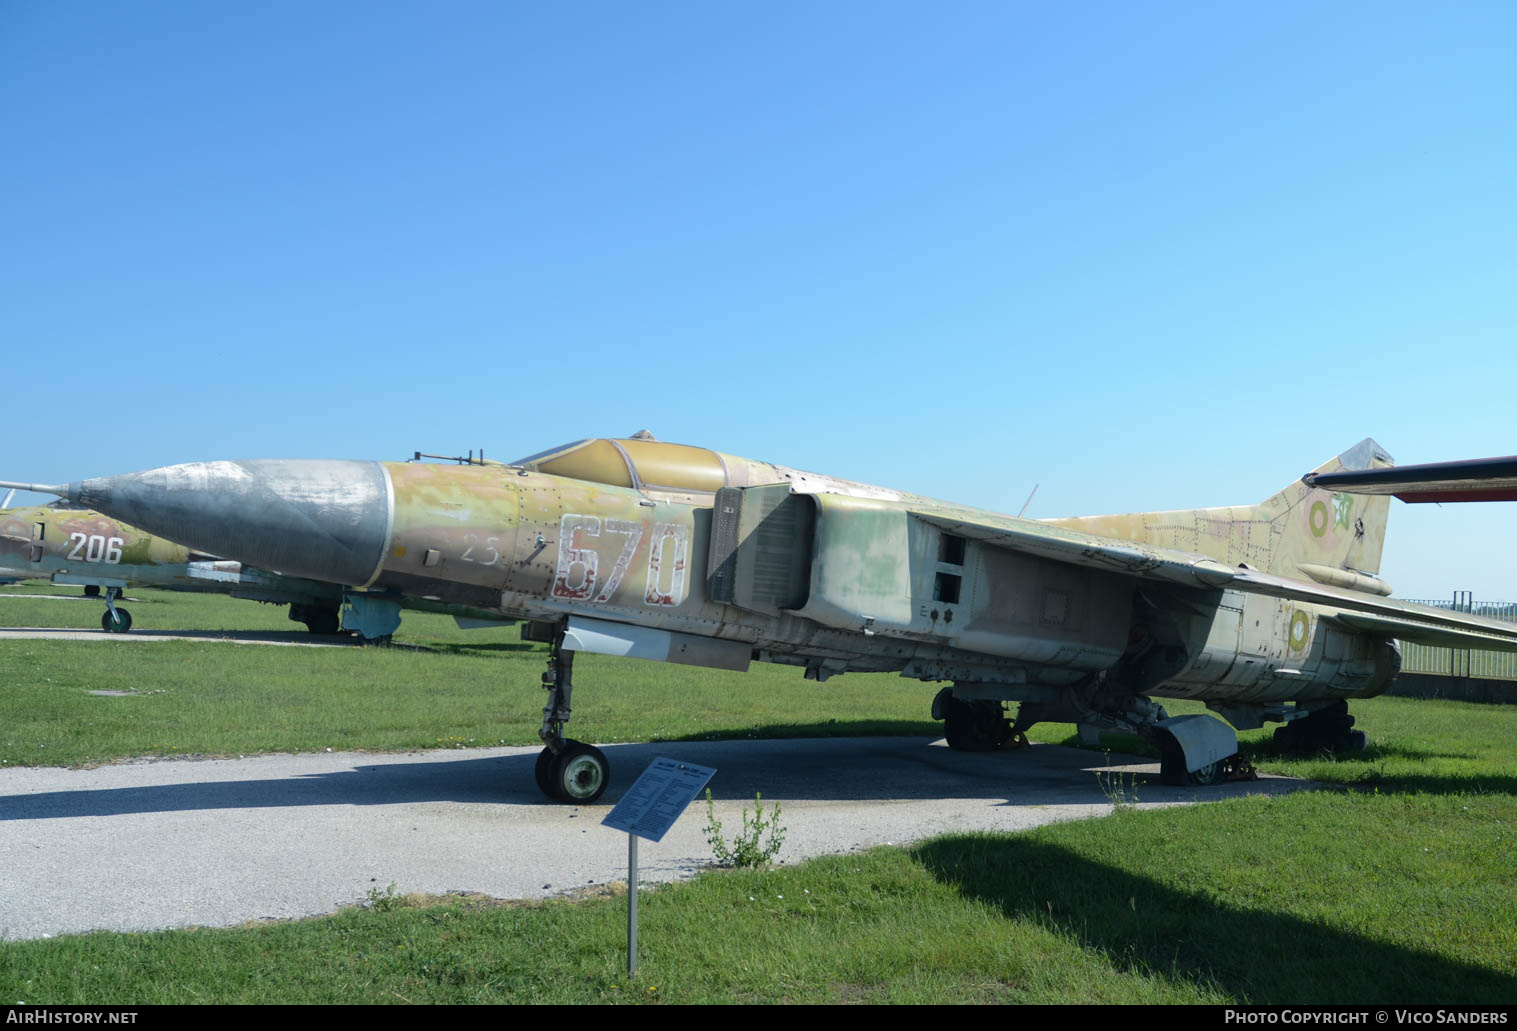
x,y
1298,631
1318,519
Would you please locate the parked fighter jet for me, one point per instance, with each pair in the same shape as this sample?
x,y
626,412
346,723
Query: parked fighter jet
x,y
70,544
664,551
1479,479
66,543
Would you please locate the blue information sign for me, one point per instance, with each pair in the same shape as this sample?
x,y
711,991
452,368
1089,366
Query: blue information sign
x,y
657,798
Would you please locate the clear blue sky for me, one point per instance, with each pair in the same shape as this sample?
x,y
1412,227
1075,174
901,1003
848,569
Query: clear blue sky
x,y
1144,255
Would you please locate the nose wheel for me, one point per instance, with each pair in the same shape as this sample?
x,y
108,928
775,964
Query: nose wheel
x,y
119,625
578,775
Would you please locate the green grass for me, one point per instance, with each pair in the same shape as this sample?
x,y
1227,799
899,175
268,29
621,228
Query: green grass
x,y
449,688
480,687
1308,898
1403,889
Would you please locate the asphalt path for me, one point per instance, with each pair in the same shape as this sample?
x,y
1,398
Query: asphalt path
x,y
174,842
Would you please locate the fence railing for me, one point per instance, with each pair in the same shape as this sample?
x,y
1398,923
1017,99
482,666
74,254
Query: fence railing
x,y
1463,662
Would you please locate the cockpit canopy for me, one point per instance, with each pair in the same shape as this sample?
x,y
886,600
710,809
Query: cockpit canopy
x,y
634,463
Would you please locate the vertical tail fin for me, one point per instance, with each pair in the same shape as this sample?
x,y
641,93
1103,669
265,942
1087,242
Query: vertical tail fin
x,y
1327,529
1335,534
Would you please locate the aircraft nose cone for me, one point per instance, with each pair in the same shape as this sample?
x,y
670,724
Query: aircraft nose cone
x,y
323,519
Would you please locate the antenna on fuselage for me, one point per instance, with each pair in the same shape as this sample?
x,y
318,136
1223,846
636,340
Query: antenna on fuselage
x,y
1035,487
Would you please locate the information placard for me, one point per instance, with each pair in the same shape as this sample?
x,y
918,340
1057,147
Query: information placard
x,y
657,798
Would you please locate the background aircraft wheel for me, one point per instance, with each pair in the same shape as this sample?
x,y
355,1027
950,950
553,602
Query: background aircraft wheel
x,y
973,726
543,771
92,590
112,626
580,773
1356,741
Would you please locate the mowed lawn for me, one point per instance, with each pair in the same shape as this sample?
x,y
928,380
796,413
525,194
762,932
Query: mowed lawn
x,y
1399,887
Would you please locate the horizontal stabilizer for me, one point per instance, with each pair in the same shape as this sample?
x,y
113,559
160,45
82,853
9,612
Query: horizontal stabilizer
x,y
1421,633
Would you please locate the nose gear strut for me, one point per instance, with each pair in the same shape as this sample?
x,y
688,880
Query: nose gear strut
x,y
566,770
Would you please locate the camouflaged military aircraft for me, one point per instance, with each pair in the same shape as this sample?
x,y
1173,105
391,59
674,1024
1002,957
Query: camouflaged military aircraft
x,y
69,544
1268,612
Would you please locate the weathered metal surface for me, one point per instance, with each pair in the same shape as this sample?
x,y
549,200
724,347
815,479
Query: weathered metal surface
x,y
1202,739
637,642
1298,526
327,520
1207,604
71,545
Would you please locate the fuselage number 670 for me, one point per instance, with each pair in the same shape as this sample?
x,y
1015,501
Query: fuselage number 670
x,y
579,575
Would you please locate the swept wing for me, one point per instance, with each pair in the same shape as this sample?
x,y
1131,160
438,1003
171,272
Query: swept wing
x,y
1366,613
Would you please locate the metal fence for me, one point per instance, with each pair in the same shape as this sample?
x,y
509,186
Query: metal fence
x,y
1462,662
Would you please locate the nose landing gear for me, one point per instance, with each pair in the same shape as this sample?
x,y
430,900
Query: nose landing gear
x,y
114,620
566,770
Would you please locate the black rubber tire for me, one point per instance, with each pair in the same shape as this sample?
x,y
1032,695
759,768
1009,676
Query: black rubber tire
x,y
973,726
1206,776
111,626
580,773
543,771
92,590
1306,736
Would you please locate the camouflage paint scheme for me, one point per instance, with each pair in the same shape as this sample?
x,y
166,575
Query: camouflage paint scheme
x,y
77,546
69,545
658,550
638,554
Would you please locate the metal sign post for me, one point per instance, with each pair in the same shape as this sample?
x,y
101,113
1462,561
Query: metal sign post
x,y
648,809
631,905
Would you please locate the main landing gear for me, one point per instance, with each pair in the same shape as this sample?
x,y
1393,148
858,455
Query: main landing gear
x,y
114,620
567,770
975,725
318,619
1329,728
1194,750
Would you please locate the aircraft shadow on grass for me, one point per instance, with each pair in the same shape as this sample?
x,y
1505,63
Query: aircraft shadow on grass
x,y
847,769
1144,926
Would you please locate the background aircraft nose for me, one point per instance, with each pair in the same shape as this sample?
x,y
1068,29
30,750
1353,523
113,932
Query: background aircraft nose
x,y
317,518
